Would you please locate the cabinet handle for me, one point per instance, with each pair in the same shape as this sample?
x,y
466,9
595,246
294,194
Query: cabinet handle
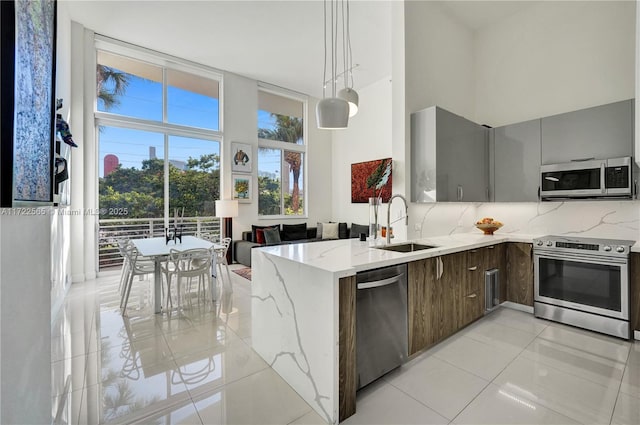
x,y
439,267
460,193
491,247
471,296
473,269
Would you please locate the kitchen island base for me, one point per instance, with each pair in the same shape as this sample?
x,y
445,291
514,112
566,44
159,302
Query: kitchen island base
x,y
297,311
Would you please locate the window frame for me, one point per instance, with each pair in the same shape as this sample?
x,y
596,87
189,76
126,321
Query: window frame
x,y
284,146
167,129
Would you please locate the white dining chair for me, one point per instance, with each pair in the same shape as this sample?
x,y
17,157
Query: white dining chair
x,y
137,266
221,259
124,272
188,264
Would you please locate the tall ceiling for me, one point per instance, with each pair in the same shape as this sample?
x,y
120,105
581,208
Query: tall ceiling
x,y
275,41
278,42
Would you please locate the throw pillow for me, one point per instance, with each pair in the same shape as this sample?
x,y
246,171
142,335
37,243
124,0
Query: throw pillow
x,y
343,232
356,229
272,236
294,232
329,231
254,228
260,236
319,230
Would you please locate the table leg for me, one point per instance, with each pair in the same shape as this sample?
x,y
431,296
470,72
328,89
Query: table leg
x,y
157,290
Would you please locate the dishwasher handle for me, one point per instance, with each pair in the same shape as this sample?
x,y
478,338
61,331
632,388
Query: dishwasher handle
x,y
383,282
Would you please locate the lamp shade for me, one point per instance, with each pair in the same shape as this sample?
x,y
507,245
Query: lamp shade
x,y
332,113
351,96
227,208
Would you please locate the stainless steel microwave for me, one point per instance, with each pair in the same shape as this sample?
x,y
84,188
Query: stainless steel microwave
x,y
593,178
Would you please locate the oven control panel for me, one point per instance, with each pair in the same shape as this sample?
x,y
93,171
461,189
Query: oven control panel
x,y
583,245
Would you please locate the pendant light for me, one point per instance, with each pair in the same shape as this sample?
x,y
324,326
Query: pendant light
x,y
332,113
348,93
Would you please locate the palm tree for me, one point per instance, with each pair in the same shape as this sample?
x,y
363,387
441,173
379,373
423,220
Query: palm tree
x,y
290,130
118,82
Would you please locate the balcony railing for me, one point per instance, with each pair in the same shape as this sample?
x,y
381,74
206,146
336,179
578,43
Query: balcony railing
x,y
113,230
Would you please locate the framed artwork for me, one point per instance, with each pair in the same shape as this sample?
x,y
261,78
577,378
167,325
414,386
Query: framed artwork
x,y
27,101
371,179
241,157
242,188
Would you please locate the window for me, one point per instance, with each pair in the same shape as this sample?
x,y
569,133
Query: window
x,y
281,155
128,87
192,100
194,175
131,173
133,88
158,144
158,139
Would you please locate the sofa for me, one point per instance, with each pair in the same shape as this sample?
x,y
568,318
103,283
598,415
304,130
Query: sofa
x,y
289,233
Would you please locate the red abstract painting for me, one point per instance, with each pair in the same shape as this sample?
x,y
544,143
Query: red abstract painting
x,y
371,179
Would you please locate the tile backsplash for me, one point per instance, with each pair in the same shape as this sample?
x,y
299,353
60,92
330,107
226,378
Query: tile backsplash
x,y
598,219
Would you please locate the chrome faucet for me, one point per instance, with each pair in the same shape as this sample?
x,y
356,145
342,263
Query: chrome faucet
x,y
406,214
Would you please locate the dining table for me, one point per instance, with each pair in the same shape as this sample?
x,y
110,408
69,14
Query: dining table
x,y
158,250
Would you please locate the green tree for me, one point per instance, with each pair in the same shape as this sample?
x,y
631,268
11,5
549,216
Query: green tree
x,y
110,85
141,191
290,130
269,196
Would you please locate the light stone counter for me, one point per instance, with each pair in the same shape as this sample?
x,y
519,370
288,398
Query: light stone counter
x,y
295,304
346,257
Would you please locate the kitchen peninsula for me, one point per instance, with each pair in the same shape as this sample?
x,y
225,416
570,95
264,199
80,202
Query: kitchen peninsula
x,y
303,305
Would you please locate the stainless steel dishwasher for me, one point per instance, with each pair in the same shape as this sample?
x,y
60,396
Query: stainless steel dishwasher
x,y
381,322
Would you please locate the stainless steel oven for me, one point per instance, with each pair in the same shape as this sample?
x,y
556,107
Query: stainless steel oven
x,y
583,282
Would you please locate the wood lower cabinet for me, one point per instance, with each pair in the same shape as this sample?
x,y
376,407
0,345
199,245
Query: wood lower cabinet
x,y
433,299
494,257
449,292
422,304
347,348
634,290
438,298
520,273
471,297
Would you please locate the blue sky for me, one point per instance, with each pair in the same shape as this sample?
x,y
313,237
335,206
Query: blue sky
x,y
143,99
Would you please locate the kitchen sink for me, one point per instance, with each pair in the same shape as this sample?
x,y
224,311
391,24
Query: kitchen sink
x,y
406,247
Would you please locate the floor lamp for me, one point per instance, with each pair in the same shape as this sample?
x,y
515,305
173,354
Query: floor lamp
x,y
227,209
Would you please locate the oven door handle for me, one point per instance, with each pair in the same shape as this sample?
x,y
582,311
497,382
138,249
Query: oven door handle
x,y
603,186
569,256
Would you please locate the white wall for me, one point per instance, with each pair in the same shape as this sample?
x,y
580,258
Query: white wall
x,y
319,168
554,57
439,60
550,57
25,319
240,125
367,138
60,221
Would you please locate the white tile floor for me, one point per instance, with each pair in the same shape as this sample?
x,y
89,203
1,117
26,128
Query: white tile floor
x,y
197,367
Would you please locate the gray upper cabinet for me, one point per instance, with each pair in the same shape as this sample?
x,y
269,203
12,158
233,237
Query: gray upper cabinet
x,y
516,162
600,132
449,158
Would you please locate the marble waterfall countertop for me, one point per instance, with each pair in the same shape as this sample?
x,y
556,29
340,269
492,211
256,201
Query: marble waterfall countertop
x,y
346,257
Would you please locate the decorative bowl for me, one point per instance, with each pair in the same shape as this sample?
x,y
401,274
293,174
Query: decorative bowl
x,y
489,228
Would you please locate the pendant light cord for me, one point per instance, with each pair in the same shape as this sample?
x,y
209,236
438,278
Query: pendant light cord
x,y
334,46
344,41
349,45
324,68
